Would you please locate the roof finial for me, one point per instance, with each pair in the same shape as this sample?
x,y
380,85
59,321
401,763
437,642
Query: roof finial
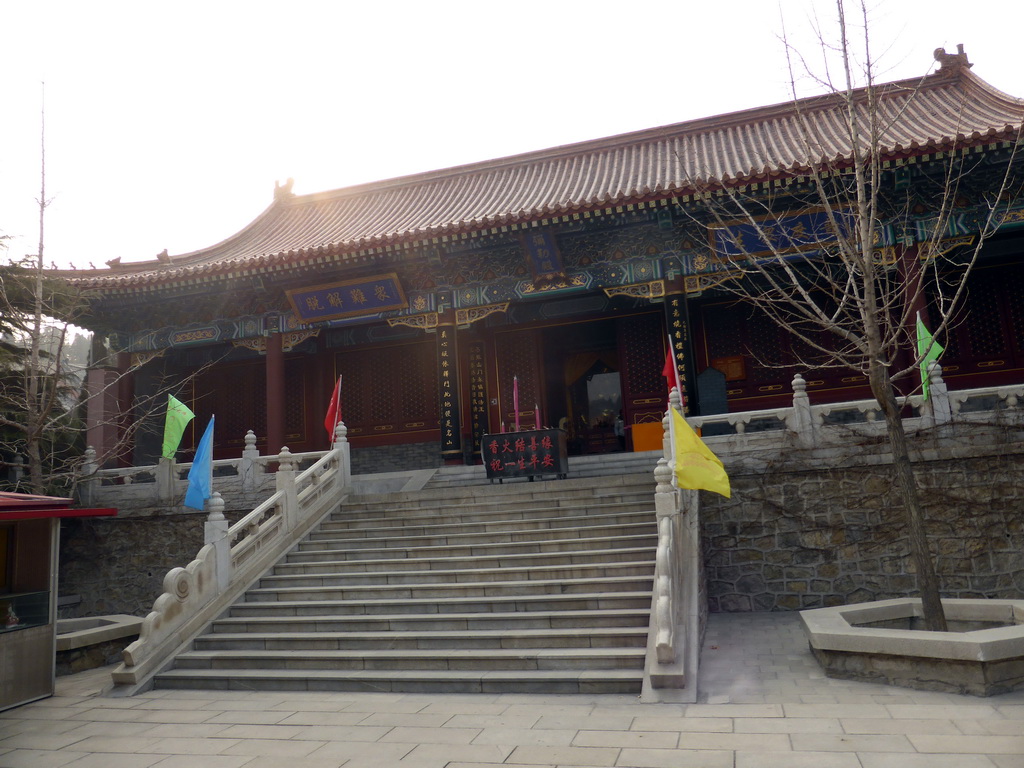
x,y
952,61
283,191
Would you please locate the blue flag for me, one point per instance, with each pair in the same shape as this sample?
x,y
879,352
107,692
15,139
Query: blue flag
x,y
200,477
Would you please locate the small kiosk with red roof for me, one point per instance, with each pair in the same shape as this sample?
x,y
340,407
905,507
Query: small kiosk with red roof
x,y
29,535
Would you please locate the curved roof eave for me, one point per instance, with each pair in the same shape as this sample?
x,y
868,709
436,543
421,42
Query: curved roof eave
x,y
949,108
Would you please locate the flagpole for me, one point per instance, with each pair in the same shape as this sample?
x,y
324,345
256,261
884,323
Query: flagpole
x,y
672,439
337,412
212,417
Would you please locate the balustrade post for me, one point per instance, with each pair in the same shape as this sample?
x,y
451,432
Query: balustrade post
x,y
938,395
801,421
666,509
664,490
341,444
286,485
215,532
252,470
165,477
86,486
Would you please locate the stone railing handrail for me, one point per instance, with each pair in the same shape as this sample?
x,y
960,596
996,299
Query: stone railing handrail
x,y
676,621
234,556
674,636
809,422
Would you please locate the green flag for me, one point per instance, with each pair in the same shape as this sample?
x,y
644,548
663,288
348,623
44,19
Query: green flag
x,y
928,349
178,417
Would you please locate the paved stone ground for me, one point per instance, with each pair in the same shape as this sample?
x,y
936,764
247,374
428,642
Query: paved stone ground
x,y
763,703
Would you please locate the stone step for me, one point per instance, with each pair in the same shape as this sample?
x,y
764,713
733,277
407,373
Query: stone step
x,y
580,467
332,578
440,520
472,562
582,601
538,587
600,681
484,549
512,638
487,503
447,590
509,621
611,481
404,540
393,659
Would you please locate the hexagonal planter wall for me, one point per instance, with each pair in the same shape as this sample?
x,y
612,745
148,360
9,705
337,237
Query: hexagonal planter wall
x,y
982,654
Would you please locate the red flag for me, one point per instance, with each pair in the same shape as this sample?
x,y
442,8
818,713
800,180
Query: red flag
x,y
333,412
670,371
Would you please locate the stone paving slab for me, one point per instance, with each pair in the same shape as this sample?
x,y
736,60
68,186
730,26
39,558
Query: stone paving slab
x,y
763,702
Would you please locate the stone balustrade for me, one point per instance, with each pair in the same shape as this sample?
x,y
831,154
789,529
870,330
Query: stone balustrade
x,y
244,480
738,437
234,555
675,631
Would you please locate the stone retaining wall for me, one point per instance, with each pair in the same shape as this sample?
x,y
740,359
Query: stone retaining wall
x,y
794,539
118,564
791,537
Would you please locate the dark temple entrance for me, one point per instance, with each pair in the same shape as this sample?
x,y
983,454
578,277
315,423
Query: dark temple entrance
x,y
601,377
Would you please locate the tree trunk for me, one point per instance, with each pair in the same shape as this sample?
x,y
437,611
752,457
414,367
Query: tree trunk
x,y
927,581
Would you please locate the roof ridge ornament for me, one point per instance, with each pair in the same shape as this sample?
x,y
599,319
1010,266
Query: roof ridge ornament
x,y
283,191
952,62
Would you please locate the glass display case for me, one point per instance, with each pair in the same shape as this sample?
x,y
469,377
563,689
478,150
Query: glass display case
x,y
24,610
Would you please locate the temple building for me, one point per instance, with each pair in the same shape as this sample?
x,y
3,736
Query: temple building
x,y
555,278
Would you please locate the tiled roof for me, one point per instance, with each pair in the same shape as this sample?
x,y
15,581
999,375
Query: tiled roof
x,y
952,107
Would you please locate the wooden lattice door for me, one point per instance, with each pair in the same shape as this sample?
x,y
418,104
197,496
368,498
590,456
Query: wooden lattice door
x,y
517,355
641,359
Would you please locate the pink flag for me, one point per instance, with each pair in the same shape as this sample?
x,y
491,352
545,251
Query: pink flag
x,y
515,399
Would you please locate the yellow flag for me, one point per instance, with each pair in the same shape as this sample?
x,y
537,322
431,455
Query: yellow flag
x,y
696,466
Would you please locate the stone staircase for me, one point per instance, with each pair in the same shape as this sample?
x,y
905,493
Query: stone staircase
x,y
523,587
594,465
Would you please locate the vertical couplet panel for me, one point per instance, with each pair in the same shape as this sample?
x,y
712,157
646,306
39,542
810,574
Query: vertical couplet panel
x,y
477,394
448,389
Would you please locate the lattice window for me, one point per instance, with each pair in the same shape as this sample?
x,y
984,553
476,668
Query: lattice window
x,y
984,330
642,347
722,331
237,395
766,348
390,385
354,399
1013,285
419,387
517,356
383,400
294,400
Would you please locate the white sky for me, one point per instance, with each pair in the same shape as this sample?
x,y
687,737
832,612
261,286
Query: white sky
x,y
167,124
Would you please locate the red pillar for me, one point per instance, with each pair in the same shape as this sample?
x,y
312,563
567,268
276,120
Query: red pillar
x,y
911,272
275,393
125,403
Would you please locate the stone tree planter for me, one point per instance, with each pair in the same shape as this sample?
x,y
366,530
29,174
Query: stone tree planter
x,y
982,654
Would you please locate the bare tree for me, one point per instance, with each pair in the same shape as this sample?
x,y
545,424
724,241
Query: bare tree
x,y
34,384
40,385
812,254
